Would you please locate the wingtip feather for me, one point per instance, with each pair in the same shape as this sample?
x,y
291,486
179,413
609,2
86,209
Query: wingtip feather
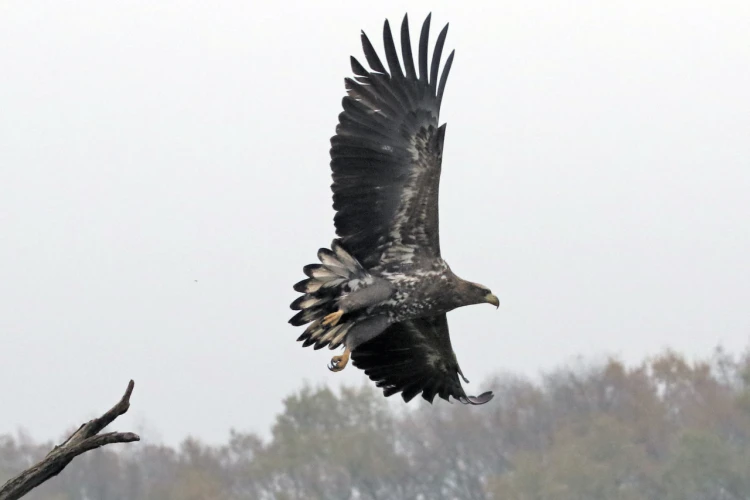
x,y
436,55
424,40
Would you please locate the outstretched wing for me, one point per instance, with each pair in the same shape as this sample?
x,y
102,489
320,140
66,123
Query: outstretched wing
x,y
387,151
415,357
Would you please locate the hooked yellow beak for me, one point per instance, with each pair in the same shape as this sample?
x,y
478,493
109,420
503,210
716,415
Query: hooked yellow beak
x,y
492,299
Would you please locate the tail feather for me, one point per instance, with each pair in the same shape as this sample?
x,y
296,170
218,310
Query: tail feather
x,y
306,315
329,260
346,258
325,284
339,338
307,302
312,330
333,283
310,285
322,273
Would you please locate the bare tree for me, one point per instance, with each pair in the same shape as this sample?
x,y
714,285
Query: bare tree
x,y
86,438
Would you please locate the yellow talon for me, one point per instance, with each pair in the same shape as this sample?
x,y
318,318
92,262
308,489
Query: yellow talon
x,y
333,318
338,363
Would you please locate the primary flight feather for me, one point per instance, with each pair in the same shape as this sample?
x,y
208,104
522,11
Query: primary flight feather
x,y
383,290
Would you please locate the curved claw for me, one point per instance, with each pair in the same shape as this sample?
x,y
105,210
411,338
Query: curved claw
x,y
335,366
338,363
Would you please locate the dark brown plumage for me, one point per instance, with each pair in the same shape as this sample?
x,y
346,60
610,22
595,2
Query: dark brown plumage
x,y
383,288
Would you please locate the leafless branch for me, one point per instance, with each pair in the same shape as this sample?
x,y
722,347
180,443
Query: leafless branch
x,y
86,438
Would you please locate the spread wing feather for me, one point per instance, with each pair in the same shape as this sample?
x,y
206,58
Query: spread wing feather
x,y
387,151
414,357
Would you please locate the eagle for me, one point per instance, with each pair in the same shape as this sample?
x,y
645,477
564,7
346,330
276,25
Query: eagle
x,y
383,290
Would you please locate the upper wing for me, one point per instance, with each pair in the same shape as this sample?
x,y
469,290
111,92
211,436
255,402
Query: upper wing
x,y
387,151
415,357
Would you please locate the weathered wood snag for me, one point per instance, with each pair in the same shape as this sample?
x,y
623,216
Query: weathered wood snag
x,y
86,438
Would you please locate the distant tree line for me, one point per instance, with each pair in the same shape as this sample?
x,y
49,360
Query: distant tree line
x,y
667,429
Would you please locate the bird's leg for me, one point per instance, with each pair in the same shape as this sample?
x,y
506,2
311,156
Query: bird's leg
x,y
338,363
333,318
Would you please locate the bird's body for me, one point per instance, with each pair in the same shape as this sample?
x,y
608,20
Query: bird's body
x,y
383,288
417,292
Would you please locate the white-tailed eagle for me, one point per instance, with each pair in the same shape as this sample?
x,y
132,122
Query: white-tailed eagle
x,y
383,290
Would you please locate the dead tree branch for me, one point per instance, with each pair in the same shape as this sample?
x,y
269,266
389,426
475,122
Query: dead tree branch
x,y
86,438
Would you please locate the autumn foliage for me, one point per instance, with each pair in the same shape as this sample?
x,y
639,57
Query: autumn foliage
x,y
666,429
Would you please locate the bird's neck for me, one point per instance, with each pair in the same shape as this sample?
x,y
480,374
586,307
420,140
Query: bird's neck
x,y
459,292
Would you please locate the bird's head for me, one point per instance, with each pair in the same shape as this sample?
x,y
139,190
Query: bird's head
x,y
480,294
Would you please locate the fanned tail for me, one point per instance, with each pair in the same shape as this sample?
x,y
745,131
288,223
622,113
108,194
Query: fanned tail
x,y
337,273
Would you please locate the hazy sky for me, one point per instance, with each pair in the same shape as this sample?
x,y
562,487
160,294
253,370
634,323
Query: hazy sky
x,y
596,176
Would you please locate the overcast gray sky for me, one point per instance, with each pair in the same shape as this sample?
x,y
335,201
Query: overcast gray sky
x,y
596,176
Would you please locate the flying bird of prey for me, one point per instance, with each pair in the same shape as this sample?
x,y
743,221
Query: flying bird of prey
x,y
383,290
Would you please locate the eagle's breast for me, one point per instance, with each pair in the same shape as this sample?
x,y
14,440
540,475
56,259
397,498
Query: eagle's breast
x,y
419,290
